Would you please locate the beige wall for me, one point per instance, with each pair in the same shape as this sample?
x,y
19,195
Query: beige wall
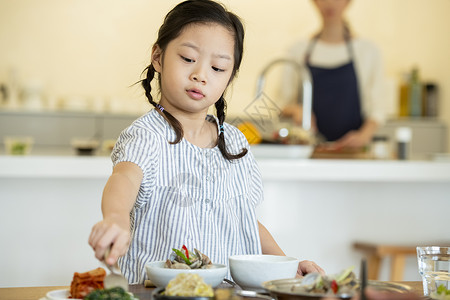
x,y
97,48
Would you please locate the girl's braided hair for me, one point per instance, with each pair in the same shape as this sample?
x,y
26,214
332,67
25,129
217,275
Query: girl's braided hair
x,y
204,12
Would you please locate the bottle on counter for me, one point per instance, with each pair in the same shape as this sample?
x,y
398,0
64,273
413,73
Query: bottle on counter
x,y
380,147
415,94
403,136
403,109
430,100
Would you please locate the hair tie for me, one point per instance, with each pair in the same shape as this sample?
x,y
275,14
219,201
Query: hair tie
x,y
160,107
220,129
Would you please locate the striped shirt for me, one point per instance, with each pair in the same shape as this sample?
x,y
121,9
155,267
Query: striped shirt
x,y
189,195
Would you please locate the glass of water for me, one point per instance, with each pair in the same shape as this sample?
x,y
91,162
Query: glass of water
x,y
434,267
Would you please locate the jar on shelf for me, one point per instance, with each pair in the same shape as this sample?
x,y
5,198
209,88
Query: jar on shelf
x,y
380,147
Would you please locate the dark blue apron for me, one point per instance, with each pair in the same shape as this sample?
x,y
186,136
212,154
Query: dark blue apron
x,y
336,100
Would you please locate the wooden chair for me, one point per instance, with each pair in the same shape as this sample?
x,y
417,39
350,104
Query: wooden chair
x,y
375,253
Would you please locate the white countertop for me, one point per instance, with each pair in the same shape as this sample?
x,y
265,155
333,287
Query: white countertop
x,y
271,169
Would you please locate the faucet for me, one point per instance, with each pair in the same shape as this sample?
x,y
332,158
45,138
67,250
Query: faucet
x,y
306,99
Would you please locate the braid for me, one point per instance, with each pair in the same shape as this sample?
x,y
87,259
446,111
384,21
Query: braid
x,y
146,84
220,111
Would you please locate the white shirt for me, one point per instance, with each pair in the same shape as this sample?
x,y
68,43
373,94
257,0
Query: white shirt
x,y
368,67
188,195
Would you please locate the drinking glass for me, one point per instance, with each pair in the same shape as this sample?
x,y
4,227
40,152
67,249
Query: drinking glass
x,y
434,267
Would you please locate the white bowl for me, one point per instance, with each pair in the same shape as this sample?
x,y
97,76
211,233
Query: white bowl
x,y
250,271
161,276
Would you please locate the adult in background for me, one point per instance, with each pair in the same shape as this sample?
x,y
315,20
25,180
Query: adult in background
x,y
348,81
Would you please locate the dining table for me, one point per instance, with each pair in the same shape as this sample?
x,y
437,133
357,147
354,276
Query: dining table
x,y
139,291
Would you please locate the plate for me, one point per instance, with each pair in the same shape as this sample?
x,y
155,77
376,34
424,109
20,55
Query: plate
x,y
282,289
64,294
59,295
157,294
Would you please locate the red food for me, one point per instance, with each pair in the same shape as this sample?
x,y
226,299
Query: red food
x,y
334,286
186,251
84,283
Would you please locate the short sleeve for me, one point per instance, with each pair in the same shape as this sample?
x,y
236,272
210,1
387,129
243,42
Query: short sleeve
x,y
256,193
141,147
254,180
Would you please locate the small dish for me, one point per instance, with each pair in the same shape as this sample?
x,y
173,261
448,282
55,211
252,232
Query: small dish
x,y
161,276
85,146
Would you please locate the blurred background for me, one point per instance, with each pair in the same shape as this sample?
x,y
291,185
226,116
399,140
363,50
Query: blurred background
x,y
86,55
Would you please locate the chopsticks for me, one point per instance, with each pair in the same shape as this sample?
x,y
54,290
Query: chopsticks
x,y
363,278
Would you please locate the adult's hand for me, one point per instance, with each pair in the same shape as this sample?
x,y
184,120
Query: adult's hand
x,y
357,138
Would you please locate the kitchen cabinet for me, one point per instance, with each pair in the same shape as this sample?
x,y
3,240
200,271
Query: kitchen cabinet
x,y
53,131
429,135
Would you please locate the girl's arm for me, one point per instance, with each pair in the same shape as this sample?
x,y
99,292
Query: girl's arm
x,y
118,198
269,246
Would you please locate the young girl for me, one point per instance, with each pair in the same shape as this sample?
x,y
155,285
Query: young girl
x,y
182,176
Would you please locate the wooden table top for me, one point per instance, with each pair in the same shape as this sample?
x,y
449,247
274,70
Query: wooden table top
x,y
141,292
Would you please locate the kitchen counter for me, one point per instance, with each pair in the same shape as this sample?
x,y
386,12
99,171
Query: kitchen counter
x,y
272,169
315,209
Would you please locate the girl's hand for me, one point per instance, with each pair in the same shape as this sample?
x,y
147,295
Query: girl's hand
x,y
110,233
306,266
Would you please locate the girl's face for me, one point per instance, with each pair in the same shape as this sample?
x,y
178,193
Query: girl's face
x,y
195,68
331,10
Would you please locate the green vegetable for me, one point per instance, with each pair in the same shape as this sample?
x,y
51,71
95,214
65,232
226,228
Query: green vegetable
x,y
443,290
181,254
344,274
115,293
18,148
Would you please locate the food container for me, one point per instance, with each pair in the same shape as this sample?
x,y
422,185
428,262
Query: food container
x,y
18,145
160,276
85,146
